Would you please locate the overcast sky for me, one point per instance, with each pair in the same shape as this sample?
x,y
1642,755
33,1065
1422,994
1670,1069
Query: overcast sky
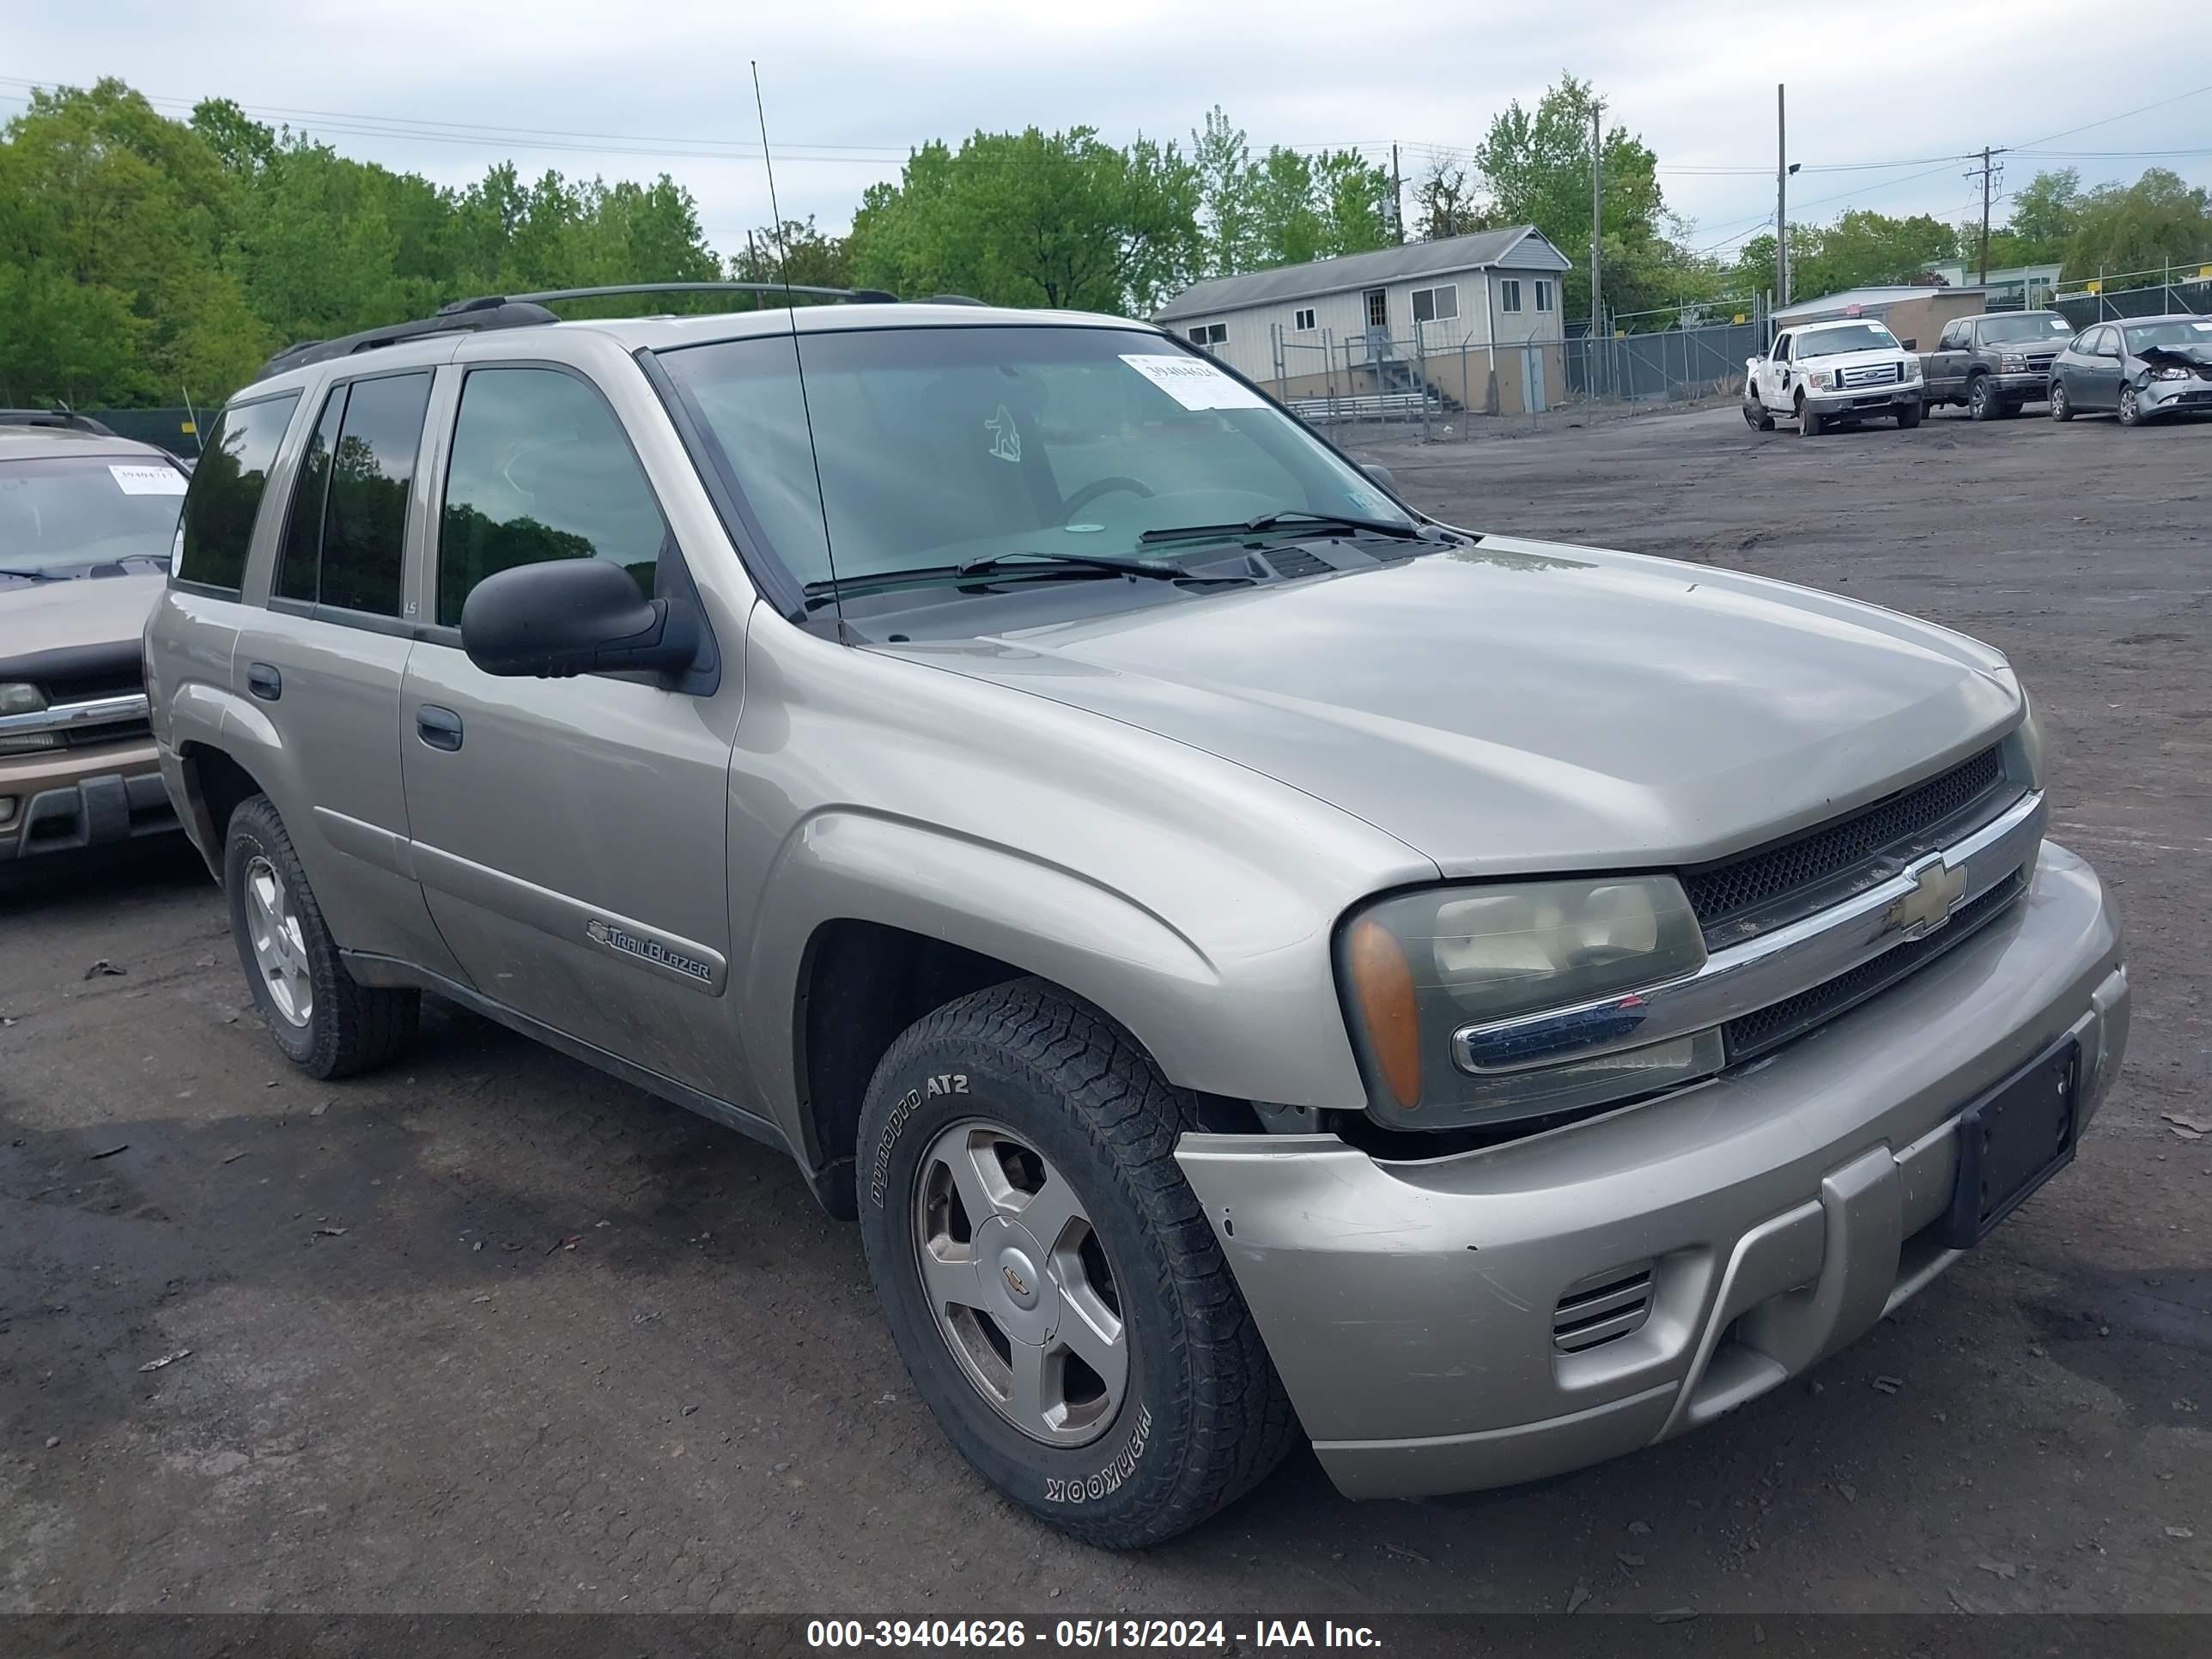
x,y
1884,83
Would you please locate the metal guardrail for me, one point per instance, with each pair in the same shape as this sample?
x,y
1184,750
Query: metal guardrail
x,y
1373,406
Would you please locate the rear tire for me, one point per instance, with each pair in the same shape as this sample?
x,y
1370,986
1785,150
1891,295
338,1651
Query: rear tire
x,y
2062,407
327,1024
1017,1101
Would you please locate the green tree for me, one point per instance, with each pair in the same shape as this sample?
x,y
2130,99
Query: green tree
x,y
1229,228
816,260
1536,167
1447,204
2158,219
1354,202
1057,219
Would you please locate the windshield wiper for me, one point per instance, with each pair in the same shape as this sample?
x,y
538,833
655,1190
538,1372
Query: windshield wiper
x,y
32,575
1273,520
1001,566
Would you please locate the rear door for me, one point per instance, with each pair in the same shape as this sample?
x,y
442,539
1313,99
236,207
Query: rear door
x,y
570,833
324,661
2097,381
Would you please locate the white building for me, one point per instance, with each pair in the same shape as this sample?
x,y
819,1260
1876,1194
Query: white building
x,y
1480,312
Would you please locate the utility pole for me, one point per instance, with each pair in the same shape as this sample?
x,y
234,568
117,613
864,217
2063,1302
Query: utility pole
x,y
1781,200
1397,197
1597,233
1987,172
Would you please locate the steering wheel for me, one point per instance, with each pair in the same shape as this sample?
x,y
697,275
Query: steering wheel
x,y
1097,487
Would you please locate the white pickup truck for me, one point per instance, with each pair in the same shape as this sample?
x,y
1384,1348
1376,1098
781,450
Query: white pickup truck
x,y
1837,374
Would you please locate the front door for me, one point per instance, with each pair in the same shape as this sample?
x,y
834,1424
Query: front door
x,y
571,834
1774,377
2097,383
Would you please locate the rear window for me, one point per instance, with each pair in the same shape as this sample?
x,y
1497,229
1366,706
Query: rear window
x,y
228,481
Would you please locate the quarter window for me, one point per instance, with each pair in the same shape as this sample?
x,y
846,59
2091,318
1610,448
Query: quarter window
x,y
346,537
1508,294
541,470
228,481
1436,305
1303,319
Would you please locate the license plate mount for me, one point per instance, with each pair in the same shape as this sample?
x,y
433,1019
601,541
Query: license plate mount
x,y
2012,1140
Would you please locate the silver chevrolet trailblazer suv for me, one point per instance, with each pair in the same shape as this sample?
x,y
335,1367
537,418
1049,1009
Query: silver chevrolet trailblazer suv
x,y
1256,962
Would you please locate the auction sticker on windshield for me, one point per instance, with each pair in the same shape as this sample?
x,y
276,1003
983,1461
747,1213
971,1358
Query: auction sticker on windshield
x,y
148,480
1193,382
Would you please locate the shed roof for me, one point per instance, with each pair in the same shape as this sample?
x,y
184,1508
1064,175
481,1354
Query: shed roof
x,y
1474,252
1875,298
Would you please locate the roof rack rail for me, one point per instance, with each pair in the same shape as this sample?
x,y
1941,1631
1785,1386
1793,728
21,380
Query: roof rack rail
x,y
954,299
490,311
60,417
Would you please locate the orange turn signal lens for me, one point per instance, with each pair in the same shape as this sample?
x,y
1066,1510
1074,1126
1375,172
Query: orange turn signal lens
x,y
1383,981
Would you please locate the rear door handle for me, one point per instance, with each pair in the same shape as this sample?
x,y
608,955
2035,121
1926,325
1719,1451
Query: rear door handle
x,y
439,727
262,680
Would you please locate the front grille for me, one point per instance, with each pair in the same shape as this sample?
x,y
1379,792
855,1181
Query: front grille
x,y
1874,374
1603,1308
1770,1027
1737,898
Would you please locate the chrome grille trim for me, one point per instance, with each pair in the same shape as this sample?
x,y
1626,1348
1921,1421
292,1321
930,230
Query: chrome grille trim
x,y
75,716
1602,1308
1772,968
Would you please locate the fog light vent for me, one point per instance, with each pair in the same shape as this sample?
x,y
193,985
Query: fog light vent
x,y
1602,1308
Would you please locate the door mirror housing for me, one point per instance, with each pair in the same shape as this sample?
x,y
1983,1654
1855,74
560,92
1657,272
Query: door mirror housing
x,y
569,616
1380,474
1912,345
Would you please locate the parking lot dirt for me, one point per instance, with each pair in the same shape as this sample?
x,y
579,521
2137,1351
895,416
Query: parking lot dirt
x,y
490,1331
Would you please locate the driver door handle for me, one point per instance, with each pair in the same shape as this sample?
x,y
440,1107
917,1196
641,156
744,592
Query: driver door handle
x,y
437,726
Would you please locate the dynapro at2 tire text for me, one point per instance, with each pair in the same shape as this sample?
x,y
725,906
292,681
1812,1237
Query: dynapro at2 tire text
x,y
1201,1416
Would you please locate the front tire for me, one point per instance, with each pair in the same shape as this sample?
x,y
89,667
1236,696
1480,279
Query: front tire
x,y
1756,416
327,1024
1050,1279
1983,403
2130,410
1908,416
2062,406
1808,420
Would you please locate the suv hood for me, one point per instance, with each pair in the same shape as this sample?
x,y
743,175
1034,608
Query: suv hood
x,y
50,621
1522,706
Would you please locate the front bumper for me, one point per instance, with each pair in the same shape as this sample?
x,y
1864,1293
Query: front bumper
x,y
1781,1211
2157,396
1860,400
78,797
2028,386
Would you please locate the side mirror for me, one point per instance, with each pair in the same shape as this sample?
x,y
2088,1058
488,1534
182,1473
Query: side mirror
x,y
1380,474
570,617
1912,345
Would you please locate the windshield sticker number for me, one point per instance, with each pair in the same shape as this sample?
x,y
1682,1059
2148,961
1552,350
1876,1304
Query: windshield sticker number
x,y
1007,437
148,480
1193,383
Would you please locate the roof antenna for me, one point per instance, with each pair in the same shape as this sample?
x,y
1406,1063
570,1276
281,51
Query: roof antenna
x,y
798,362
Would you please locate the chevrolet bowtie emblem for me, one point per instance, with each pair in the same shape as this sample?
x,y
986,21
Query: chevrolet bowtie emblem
x,y
1936,890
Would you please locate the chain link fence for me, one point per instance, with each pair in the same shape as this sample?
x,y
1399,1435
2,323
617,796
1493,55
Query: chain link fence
x,y
2119,295
1438,385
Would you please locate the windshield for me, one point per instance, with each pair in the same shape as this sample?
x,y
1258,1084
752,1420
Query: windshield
x,y
1854,337
2029,326
2176,332
938,445
80,515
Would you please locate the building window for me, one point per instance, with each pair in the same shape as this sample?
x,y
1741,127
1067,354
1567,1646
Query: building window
x,y
1378,308
1303,319
1543,294
1436,305
1508,294
1210,335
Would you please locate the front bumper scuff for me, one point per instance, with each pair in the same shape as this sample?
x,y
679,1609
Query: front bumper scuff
x,y
1782,1209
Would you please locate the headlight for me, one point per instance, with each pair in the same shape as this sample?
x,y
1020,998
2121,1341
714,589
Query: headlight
x,y
16,698
2030,739
1912,368
2012,364
2172,372
1420,969
1821,380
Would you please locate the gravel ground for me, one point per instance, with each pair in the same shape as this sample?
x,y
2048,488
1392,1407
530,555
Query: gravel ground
x,y
489,1331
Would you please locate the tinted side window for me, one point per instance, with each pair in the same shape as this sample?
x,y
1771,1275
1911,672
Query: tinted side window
x,y
540,471
228,482
298,564
372,466
1782,350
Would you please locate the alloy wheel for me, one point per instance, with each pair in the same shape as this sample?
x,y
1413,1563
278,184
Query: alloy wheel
x,y
280,950
1017,1282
